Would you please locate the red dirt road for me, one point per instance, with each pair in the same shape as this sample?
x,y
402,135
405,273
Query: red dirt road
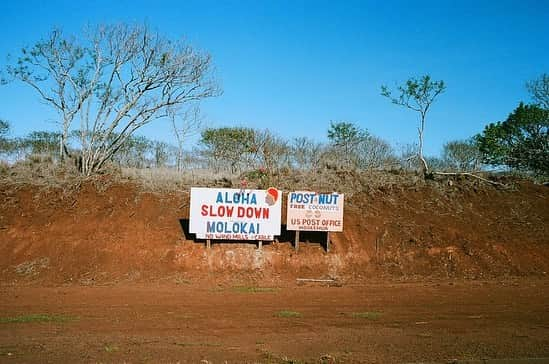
x,y
382,322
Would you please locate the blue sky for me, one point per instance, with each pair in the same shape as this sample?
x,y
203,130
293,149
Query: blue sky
x,y
294,66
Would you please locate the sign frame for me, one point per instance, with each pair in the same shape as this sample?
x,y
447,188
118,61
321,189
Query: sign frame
x,y
235,214
312,211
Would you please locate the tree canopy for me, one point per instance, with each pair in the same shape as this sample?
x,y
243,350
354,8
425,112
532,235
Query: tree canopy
x,y
228,145
539,90
520,142
345,138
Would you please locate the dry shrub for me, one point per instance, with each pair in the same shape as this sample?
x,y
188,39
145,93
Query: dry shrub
x,y
168,179
348,181
40,171
330,179
4,168
44,173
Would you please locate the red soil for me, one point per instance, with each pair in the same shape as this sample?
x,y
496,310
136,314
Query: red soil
x,y
115,232
368,323
431,273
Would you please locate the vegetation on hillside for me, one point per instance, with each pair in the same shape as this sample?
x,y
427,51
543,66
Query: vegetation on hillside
x,y
110,81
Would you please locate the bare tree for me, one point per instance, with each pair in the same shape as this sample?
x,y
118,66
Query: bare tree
x,y
185,125
161,153
273,151
306,153
407,156
135,152
113,80
462,155
375,153
539,90
417,95
51,67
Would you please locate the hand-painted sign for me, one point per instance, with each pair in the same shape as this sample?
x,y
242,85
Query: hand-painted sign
x,y
232,214
315,211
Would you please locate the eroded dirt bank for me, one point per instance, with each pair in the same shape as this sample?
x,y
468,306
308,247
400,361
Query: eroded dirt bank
x,y
113,232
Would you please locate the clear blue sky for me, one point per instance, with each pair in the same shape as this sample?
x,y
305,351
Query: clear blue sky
x,y
293,66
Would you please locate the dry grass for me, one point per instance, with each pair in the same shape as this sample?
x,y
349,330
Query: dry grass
x,y
40,172
169,179
327,180
45,173
37,318
369,315
252,289
288,314
348,181
32,268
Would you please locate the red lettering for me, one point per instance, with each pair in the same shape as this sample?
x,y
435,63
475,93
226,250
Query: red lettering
x,y
251,212
262,212
221,211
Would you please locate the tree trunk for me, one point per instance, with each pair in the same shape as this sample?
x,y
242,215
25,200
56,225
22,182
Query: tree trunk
x,y
61,149
421,129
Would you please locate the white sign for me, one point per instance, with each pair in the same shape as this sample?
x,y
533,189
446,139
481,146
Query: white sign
x,y
232,214
316,212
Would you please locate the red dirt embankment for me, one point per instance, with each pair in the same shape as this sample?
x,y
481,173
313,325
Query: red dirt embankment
x,y
116,232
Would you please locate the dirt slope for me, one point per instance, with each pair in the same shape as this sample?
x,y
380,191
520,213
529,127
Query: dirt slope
x,y
109,232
